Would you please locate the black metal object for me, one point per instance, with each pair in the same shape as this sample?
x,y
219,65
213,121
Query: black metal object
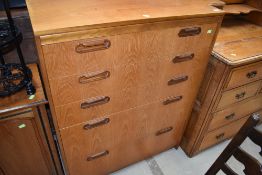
x,y
13,77
14,4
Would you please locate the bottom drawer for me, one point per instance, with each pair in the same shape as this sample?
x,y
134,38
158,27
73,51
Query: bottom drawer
x,y
112,159
124,138
222,133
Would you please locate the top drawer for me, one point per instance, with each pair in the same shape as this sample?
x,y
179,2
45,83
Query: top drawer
x,y
154,46
246,74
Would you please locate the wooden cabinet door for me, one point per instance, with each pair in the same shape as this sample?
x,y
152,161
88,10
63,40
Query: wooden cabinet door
x,y
21,149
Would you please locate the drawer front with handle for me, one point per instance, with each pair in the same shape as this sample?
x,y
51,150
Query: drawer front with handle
x,y
152,46
114,69
117,101
127,126
222,133
245,74
238,94
103,158
74,88
235,112
154,127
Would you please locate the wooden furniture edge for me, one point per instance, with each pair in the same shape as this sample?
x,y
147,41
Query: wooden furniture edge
x,y
116,30
203,118
239,62
48,92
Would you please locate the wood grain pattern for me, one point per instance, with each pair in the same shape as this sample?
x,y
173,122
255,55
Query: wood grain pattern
x,y
72,15
140,125
142,47
134,123
222,133
238,94
245,74
21,152
119,101
238,41
235,112
233,72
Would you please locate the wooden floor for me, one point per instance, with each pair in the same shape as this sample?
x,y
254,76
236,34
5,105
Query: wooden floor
x,y
175,162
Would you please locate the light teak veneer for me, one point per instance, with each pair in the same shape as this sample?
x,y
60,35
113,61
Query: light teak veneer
x,y
121,86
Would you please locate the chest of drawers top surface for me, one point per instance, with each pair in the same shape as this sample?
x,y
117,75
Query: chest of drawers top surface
x,y
50,17
238,42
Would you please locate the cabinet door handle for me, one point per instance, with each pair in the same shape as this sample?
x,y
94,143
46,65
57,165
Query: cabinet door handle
x,y
229,117
177,80
240,95
164,130
94,77
95,123
182,58
172,100
92,46
95,101
191,31
251,74
97,155
220,136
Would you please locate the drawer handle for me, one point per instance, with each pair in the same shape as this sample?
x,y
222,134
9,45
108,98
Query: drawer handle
x,y
94,77
251,74
189,31
96,123
230,117
172,100
220,136
164,130
95,101
177,80
98,155
182,58
240,95
92,46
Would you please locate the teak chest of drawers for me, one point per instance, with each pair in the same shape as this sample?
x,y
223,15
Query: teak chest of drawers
x,y
231,89
121,80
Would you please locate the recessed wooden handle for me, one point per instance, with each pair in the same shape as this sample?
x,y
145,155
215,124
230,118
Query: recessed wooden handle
x,y
172,100
94,77
92,46
191,31
230,117
95,101
251,74
240,95
177,80
96,123
220,136
164,130
182,58
98,155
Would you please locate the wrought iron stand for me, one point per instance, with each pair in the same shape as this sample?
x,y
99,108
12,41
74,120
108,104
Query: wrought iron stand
x,y
13,76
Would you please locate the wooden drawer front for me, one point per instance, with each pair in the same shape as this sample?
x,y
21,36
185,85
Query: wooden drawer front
x,y
82,111
238,94
154,127
221,134
69,89
114,158
246,74
127,126
149,47
133,60
235,112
